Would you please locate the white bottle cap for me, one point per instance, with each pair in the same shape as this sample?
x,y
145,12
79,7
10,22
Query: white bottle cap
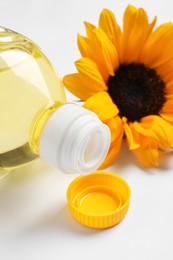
x,y
74,140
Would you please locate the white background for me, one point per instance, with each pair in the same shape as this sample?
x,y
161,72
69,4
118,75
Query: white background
x,y
35,223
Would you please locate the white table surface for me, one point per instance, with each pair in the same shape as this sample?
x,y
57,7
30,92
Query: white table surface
x,y
35,223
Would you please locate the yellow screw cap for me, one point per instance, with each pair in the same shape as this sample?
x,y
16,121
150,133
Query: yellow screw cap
x,y
98,200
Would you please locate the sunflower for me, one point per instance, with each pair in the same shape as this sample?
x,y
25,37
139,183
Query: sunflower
x,y
126,77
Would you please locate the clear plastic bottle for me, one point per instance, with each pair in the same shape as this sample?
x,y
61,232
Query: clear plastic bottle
x,y
34,117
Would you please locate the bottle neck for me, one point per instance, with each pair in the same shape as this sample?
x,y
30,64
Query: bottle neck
x,y
38,124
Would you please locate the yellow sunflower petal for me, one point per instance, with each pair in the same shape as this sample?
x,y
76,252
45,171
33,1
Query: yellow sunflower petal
x,y
108,24
116,126
157,53
109,53
165,70
132,136
102,105
147,154
155,45
113,152
168,117
89,29
88,48
76,85
100,49
89,73
167,110
84,46
136,30
168,105
169,88
156,128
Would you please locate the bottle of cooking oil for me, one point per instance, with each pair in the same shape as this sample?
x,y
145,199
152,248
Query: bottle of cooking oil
x,y
36,121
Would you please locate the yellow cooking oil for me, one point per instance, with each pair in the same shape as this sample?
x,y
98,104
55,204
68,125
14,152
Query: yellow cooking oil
x,y
29,86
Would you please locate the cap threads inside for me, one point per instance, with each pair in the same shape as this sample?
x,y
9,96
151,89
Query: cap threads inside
x,y
99,200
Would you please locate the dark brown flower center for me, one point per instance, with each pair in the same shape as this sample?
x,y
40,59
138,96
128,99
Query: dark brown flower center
x,y
137,91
